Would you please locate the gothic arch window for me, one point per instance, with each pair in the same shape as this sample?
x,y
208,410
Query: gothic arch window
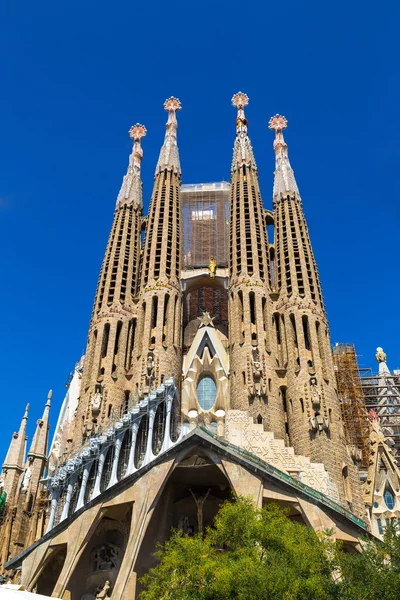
x,y
90,482
389,499
123,458
158,429
141,442
206,392
107,469
175,419
75,495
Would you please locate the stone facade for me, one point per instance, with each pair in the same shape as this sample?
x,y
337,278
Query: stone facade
x,y
247,404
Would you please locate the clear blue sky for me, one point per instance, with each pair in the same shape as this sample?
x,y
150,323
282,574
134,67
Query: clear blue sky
x,y
76,75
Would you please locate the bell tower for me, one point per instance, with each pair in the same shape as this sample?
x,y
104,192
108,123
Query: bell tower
x,y
309,396
159,349
105,389
249,285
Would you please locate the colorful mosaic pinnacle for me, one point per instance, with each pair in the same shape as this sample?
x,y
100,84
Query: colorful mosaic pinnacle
x,y
137,132
278,123
240,100
172,103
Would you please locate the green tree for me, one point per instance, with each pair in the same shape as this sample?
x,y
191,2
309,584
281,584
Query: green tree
x,y
375,573
249,554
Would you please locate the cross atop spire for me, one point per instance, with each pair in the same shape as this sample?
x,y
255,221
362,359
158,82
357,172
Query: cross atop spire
x,y
284,181
242,150
169,155
131,189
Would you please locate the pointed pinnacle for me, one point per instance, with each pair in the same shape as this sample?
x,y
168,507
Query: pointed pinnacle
x,y
49,397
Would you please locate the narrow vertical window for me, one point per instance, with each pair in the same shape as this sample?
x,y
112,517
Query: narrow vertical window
x,y
252,301
165,320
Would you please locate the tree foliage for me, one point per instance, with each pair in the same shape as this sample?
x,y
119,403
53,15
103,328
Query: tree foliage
x,y
250,553
263,555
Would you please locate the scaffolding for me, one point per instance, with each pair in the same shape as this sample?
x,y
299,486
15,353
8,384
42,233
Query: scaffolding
x,y
382,395
351,397
205,208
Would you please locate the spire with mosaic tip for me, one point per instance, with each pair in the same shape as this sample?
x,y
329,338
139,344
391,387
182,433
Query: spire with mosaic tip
x,y
169,154
131,189
284,180
242,150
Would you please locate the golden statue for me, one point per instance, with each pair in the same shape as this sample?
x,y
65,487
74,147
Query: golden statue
x,y
380,355
212,267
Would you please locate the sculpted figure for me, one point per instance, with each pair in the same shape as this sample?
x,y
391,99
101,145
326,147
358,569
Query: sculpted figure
x,y
97,399
102,592
212,267
315,394
380,355
26,480
200,499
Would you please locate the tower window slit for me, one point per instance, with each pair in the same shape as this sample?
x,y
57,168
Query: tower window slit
x,y
306,335
252,302
165,318
104,344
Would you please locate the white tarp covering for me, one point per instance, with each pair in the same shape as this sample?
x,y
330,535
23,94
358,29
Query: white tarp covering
x,y
14,592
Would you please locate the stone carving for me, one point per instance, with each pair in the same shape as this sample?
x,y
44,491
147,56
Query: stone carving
x,y
103,592
97,400
26,480
105,558
241,431
380,355
212,267
257,386
200,499
317,421
184,525
149,372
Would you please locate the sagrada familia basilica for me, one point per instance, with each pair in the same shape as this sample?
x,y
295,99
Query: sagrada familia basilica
x,y
208,372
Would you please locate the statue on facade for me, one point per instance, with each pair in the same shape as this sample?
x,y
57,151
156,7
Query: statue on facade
x,y
315,394
26,480
257,387
103,592
97,399
380,355
212,267
200,499
105,558
149,372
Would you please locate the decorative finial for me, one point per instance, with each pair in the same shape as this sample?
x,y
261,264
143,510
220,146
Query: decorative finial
x,y
172,103
169,155
242,151
206,320
278,123
49,397
380,355
137,132
240,100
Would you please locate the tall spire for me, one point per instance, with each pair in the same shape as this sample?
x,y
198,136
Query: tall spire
x,y
284,181
39,442
169,154
16,452
131,189
242,150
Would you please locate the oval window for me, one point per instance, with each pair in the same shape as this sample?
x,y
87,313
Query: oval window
x,y
389,499
206,392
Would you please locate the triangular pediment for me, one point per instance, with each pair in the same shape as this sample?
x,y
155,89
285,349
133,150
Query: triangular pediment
x,y
206,337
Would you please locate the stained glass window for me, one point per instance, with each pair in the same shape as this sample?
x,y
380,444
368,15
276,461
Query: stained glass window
x,y
389,499
206,392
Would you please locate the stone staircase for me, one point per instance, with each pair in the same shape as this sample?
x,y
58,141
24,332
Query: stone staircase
x,y
241,431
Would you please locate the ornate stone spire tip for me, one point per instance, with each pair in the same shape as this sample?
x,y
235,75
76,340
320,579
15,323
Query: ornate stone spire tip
x,y
173,104
278,123
240,100
137,132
